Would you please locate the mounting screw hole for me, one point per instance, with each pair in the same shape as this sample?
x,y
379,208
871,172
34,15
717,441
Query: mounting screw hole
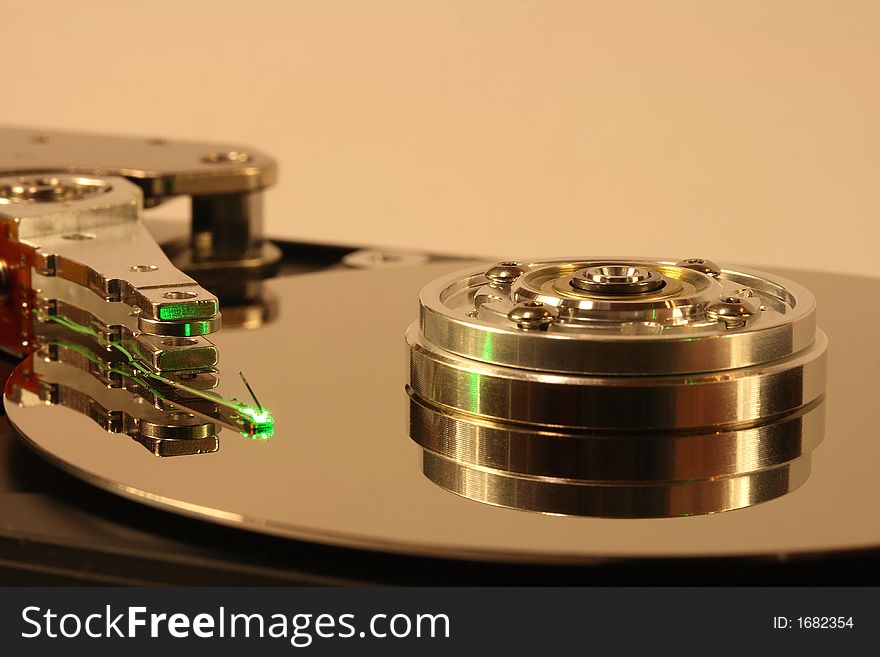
x,y
229,156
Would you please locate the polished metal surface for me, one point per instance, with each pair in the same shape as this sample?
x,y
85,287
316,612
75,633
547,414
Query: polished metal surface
x,y
586,498
162,167
114,329
226,252
596,456
466,314
507,427
81,252
117,410
341,469
617,279
172,413
696,401
98,298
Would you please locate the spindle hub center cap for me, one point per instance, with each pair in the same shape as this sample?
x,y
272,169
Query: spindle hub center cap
x,y
617,279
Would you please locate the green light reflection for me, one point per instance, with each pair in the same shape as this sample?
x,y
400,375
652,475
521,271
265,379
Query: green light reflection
x,y
485,355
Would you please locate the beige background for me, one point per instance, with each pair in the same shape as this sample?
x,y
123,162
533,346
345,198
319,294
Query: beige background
x,y
743,131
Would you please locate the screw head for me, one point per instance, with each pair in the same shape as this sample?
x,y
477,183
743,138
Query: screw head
x,y
733,311
701,265
533,315
504,273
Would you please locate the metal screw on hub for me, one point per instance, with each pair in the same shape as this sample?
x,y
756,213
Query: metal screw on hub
x,y
701,265
533,315
733,311
504,273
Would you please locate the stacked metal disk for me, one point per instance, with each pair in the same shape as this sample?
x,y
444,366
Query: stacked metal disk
x,y
616,387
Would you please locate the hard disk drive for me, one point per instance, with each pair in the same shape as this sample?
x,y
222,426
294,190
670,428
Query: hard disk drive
x,y
211,404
